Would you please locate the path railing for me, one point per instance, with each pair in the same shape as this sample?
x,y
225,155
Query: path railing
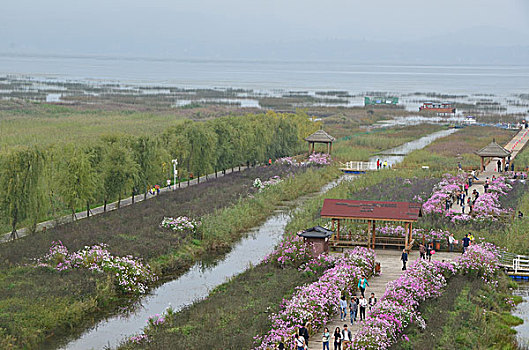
x,y
359,166
514,263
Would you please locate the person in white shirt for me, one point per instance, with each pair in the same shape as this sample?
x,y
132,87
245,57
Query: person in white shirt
x,y
300,343
363,305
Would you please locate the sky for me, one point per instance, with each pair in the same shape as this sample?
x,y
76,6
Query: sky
x,y
243,29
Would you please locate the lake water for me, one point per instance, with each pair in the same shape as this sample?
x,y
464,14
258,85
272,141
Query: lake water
x,y
270,75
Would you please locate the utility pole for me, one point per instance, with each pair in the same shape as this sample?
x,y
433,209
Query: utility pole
x,y
175,172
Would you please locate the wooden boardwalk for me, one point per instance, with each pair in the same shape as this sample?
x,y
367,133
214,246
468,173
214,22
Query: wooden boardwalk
x,y
391,269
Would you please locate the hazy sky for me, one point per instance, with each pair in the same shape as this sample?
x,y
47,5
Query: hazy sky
x,y
202,27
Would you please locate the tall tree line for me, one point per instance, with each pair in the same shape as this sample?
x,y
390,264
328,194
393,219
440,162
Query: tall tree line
x,y
39,183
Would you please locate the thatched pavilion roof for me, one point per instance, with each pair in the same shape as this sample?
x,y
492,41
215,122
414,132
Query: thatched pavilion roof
x,y
320,136
493,150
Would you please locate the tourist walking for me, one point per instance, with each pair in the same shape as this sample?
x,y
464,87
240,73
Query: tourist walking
x,y
466,189
347,336
499,165
422,251
385,164
362,284
372,301
304,332
362,304
466,243
451,241
378,164
353,309
325,338
486,185
343,308
429,251
404,258
337,339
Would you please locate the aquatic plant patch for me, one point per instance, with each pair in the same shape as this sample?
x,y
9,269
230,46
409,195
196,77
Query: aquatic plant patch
x,y
131,275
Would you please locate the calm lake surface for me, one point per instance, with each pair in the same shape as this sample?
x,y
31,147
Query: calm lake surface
x,y
269,75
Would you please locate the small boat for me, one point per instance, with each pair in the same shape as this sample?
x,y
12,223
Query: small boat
x,y
440,108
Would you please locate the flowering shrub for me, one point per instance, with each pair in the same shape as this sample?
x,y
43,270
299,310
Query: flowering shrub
x,y
132,276
156,320
288,161
443,190
180,224
314,159
139,339
291,251
319,159
486,207
398,306
399,231
316,302
261,185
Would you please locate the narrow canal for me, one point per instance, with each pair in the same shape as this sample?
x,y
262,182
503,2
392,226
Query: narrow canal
x,y
522,311
200,279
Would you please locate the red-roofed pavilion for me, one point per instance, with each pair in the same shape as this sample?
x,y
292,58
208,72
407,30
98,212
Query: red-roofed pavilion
x,y
370,212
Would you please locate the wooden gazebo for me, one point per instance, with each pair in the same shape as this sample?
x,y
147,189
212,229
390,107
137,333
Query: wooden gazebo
x,y
320,136
371,212
493,150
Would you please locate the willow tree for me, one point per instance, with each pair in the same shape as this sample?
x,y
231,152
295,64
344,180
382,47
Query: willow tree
x,y
119,171
202,141
21,185
149,156
76,179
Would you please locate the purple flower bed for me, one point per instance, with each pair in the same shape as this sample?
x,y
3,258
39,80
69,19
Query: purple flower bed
x,y
486,208
131,275
399,231
398,307
316,303
314,159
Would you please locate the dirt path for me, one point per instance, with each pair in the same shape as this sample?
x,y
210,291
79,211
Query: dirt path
x,y
113,206
391,269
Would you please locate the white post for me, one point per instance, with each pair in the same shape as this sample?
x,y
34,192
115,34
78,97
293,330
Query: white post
x,y
175,172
